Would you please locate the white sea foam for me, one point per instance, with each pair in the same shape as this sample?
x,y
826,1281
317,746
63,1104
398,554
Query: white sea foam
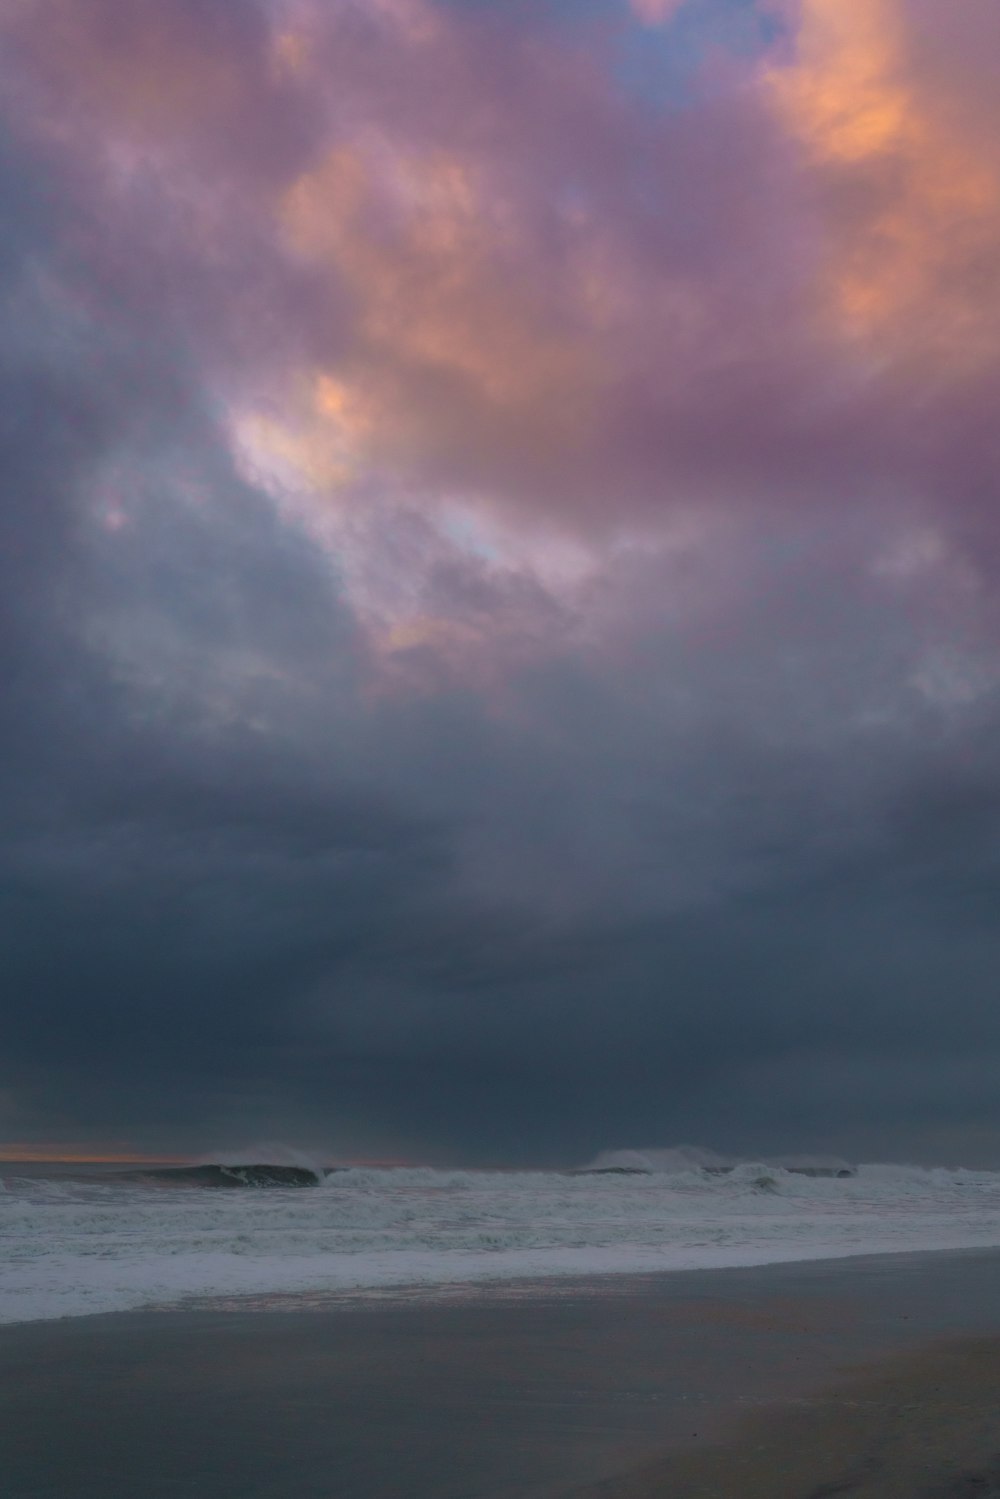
x,y
76,1246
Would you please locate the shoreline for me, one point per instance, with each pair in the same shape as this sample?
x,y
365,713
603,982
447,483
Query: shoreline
x,y
81,1248
587,1274
500,1392
598,1285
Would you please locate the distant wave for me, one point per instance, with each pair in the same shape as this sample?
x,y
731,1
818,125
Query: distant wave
x,y
686,1158
257,1174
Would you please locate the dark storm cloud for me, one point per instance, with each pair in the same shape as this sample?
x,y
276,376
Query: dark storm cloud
x,y
339,819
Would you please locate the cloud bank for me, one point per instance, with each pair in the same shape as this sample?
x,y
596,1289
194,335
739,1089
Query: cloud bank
x,y
499,542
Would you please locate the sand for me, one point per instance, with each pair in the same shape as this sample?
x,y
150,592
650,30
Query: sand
x,y
734,1384
919,1425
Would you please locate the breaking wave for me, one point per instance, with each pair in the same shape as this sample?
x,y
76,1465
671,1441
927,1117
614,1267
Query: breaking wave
x,y
79,1241
678,1159
257,1174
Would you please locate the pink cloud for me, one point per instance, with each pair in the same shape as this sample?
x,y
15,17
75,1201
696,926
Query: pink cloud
x,y
443,257
655,12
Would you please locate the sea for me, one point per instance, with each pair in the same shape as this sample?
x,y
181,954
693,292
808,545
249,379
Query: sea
x,y
78,1239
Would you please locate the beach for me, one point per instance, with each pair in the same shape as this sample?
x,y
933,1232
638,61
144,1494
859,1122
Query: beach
x,y
916,1426
874,1375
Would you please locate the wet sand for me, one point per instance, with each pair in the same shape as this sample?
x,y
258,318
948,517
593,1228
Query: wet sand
x,y
917,1426
700,1383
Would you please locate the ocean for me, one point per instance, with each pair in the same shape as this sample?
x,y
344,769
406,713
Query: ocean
x,y
78,1240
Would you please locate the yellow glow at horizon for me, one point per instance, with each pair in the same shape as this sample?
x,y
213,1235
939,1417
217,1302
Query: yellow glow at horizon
x,y
54,1152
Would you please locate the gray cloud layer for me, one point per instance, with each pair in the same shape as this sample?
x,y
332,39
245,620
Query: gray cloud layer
x,y
713,856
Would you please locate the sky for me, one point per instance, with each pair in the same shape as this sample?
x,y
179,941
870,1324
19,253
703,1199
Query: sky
x,y
499,560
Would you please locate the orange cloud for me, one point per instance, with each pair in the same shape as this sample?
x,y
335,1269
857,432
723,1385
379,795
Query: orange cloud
x,y
290,52
435,265
843,95
914,214
319,444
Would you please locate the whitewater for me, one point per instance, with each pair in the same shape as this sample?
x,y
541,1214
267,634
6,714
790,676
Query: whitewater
x,y
72,1245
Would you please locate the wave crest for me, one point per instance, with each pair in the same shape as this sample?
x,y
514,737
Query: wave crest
x,y
680,1159
254,1174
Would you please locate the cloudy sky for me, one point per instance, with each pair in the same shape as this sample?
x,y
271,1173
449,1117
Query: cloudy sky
x,y
500,548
